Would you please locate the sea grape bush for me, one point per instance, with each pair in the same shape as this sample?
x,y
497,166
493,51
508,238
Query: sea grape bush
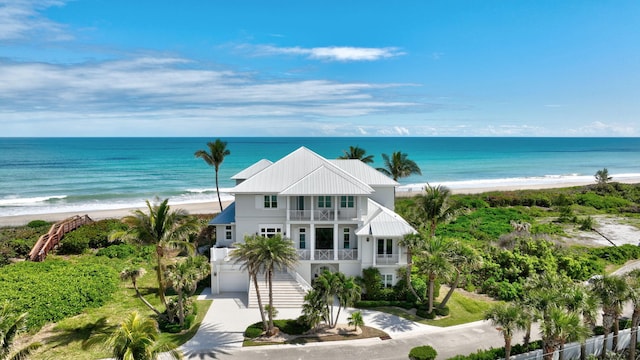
x,y
55,289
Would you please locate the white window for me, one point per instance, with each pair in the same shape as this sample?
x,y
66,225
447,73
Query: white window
x,y
324,202
271,201
346,237
347,201
303,238
228,234
387,280
385,247
270,230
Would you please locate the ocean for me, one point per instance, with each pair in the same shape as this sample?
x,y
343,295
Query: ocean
x,y
48,175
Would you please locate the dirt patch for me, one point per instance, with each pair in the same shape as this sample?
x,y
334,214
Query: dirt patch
x,y
615,229
323,334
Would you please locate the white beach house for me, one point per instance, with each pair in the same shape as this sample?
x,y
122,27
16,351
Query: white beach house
x,y
338,213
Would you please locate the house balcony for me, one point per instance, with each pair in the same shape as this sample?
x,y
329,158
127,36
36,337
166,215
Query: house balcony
x,y
322,215
328,254
389,259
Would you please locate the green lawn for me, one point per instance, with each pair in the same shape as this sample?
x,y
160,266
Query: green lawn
x,y
463,310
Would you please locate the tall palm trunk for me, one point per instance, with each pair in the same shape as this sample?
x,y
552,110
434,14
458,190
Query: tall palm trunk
x,y
260,306
507,347
561,351
180,308
432,281
616,333
218,190
549,349
271,330
409,266
160,275
635,320
454,286
144,301
527,335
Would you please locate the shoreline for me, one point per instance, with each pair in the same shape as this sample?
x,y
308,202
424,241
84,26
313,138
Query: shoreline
x,y
213,208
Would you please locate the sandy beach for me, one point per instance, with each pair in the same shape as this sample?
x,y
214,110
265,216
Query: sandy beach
x,y
212,207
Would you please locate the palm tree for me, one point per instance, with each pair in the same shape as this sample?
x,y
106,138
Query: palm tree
x,y
356,320
271,254
411,242
163,228
434,206
245,254
633,281
582,301
134,275
217,152
137,338
358,153
506,316
336,286
314,309
602,177
560,327
399,165
12,325
184,277
464,259
434,262
612,292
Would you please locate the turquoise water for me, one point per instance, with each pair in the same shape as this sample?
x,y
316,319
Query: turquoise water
x,y
42,175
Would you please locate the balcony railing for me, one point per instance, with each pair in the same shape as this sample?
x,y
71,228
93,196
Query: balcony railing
x,y
348,254
322,215
324,254
388,259
304,254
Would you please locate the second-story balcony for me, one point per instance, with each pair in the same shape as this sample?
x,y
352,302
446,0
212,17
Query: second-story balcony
x,y
322,215
328,254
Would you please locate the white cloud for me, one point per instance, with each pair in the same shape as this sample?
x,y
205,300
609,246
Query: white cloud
x,y
599,128
333,53
22,20
164,90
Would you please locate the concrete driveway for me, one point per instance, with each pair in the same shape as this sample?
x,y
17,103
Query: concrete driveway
x,y
221,334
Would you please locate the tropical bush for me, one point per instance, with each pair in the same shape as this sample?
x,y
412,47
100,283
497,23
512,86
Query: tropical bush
x,y
73,245
37,224
423,353
56,289
118,251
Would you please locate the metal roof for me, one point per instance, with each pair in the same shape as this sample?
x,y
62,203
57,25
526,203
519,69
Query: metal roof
x,y
292,170
227,216
327,181
381,221
364,172
252,170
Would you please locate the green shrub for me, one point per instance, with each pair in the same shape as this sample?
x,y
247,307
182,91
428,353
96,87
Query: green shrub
x,y
73,245
97,233
423,353
21,247
119,251
54,289
601,202
253,331
290,326
37,223
372,283
586,224
442,311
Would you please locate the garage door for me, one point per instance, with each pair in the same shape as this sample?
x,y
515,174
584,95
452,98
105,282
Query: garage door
x,y
233,281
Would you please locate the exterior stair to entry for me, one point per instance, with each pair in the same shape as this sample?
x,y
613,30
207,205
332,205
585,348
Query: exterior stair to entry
x,y
287,292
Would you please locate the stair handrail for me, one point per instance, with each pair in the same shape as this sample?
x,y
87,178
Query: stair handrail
x,y
57,231
303,283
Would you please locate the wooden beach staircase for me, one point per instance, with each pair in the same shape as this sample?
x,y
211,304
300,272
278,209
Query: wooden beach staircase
x,y
51,239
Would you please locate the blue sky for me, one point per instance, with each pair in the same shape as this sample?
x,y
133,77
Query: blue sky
x,y
319,68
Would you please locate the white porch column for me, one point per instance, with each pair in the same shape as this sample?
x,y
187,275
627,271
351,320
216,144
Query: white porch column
x,y
399,252
288,209
312,240
359,238
312,210
335,208
335,241
375,250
